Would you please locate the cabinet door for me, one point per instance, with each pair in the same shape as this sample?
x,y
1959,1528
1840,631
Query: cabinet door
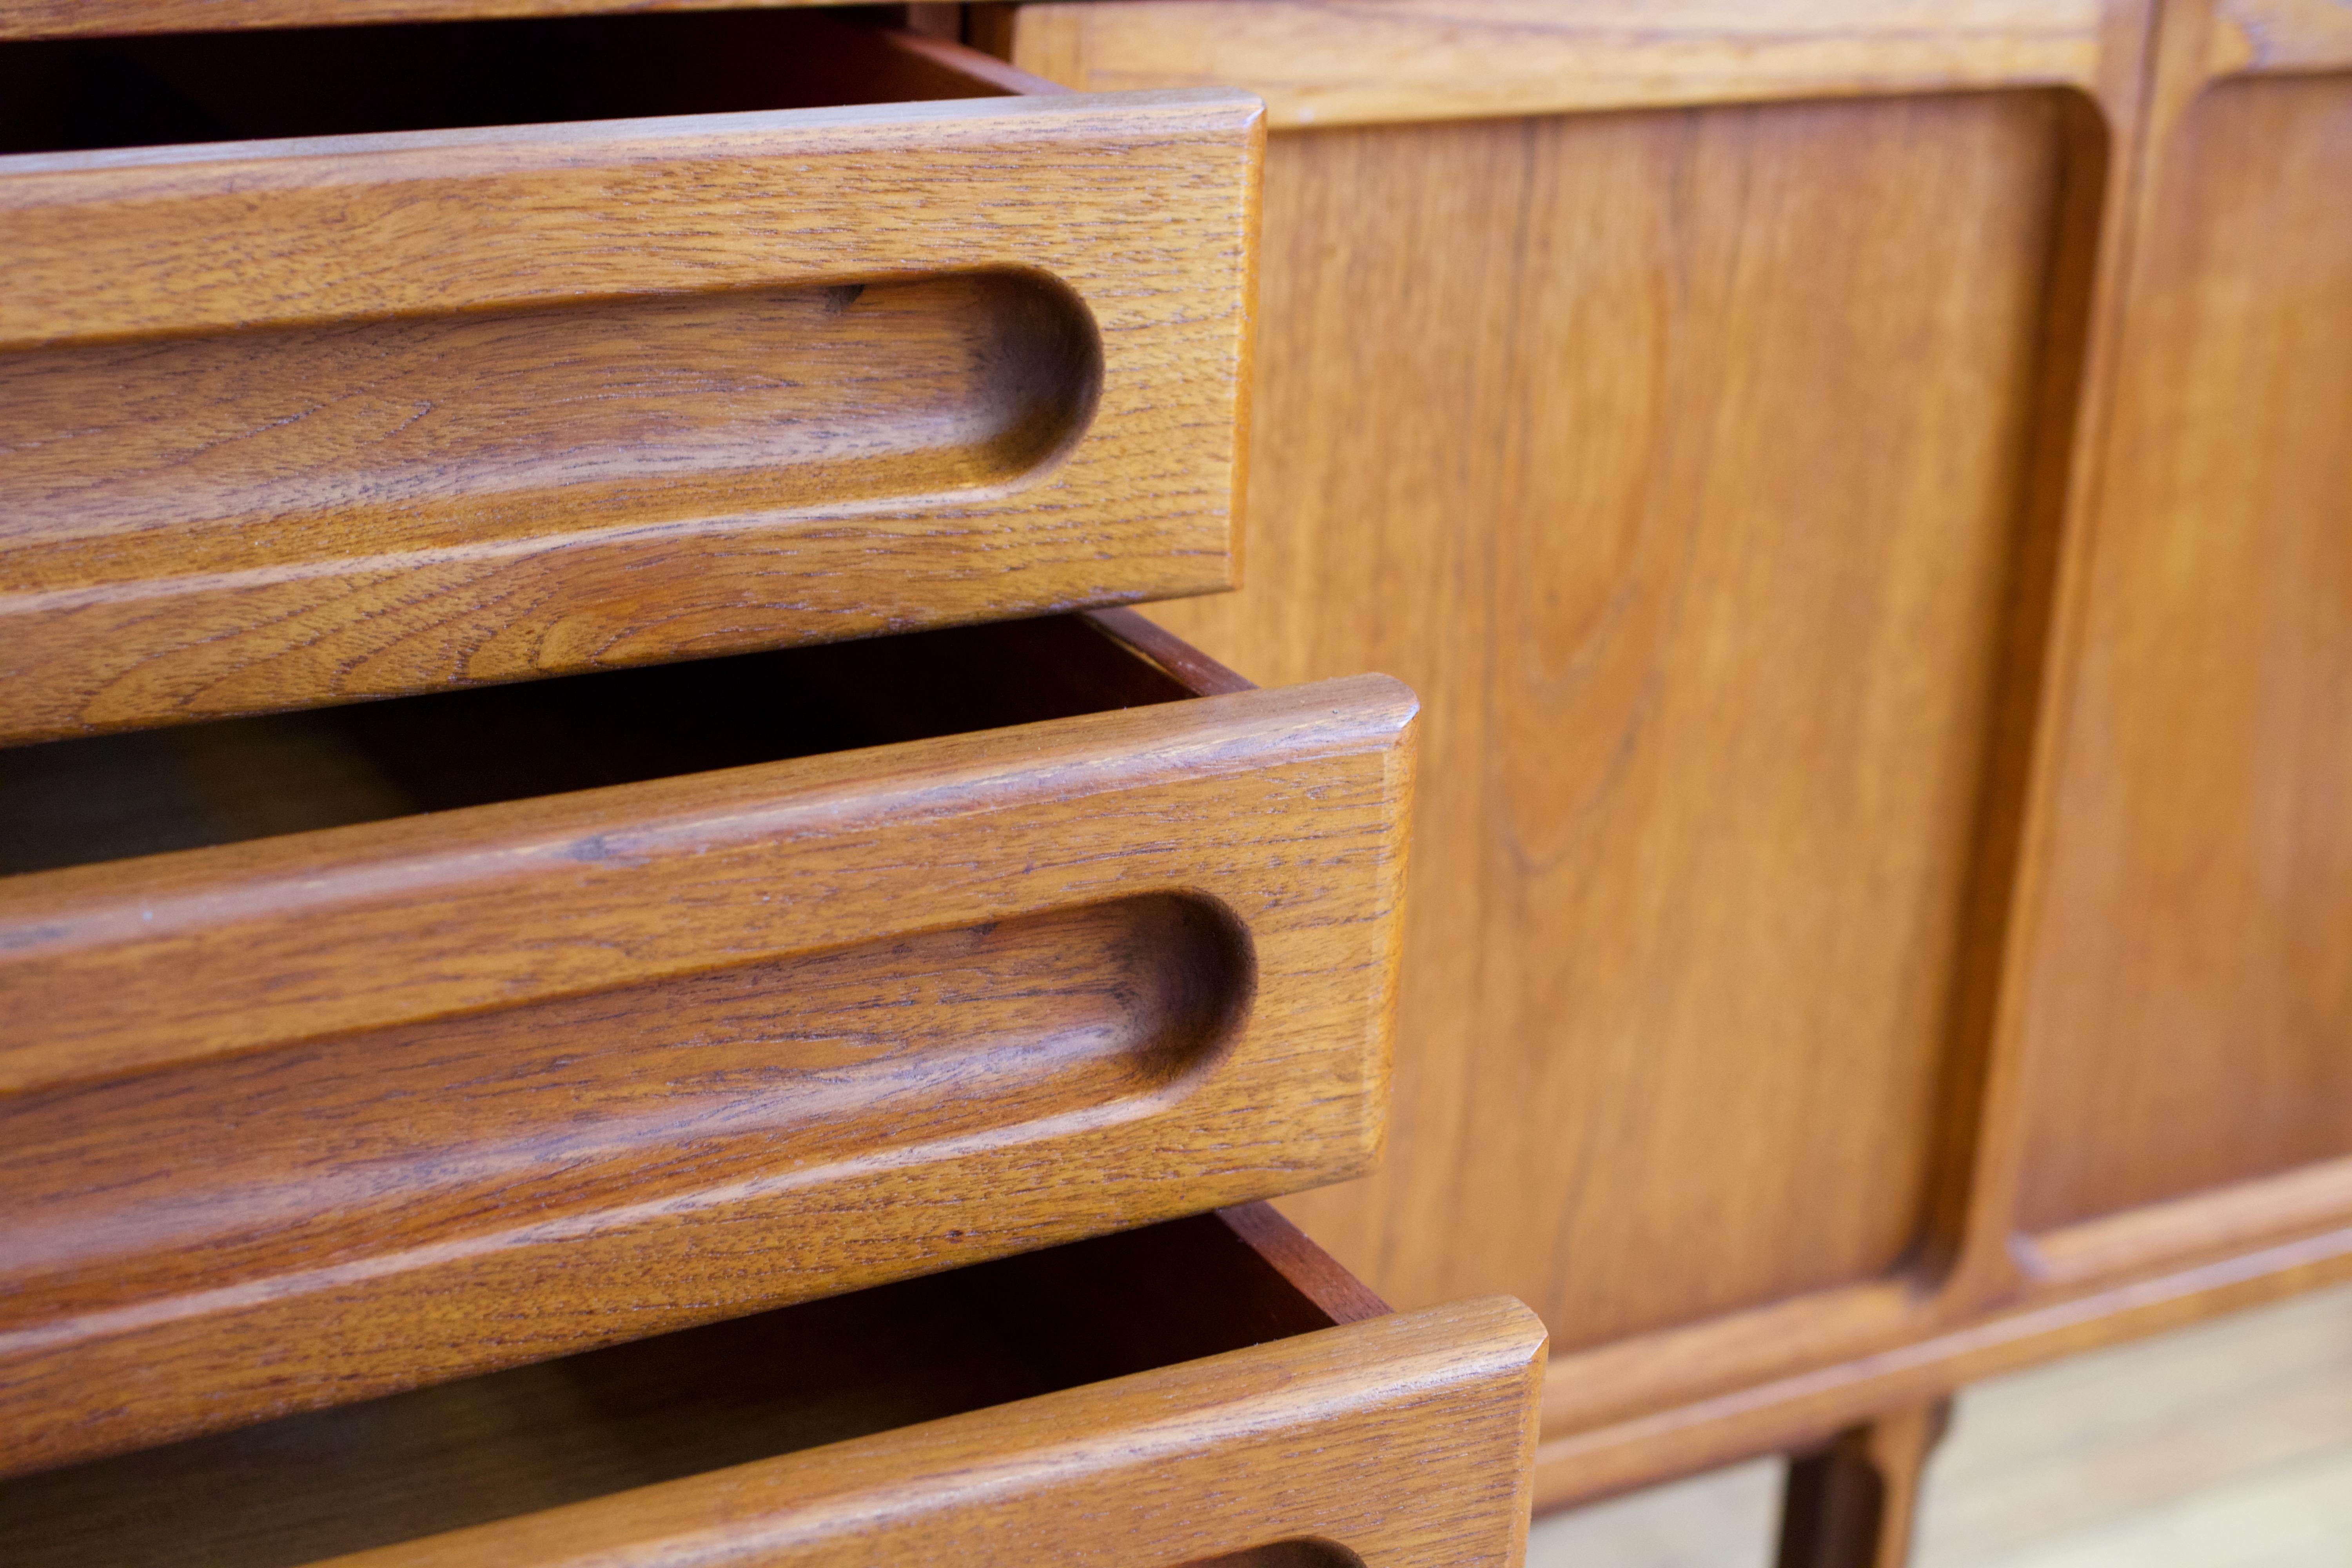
x,y
1685,397
2191,998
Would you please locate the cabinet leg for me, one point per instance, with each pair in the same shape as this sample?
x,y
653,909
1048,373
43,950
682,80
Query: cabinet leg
x,y
1850,1505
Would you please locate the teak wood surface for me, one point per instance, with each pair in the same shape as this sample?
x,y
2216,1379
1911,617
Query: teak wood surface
x,y
306,1118
1207,1390
2190,1001
1860,486
1860,489
287,422
1305,1440
1384,62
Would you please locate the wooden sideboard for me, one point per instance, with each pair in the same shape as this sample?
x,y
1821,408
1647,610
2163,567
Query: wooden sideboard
x,y
594,958
1863,491
1861,488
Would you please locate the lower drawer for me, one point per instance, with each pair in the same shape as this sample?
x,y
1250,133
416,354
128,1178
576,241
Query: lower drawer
x,y
398,1053
1211,1390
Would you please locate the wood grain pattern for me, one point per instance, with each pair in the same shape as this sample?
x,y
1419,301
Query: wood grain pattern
x,y
383,1140
1363,62
1305,1438
1283,1453
390,437
2192,987
1708,623
509,963
647,414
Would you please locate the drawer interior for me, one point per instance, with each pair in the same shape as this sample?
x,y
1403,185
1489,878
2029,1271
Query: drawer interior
x,y
66,95
535,1438
110,798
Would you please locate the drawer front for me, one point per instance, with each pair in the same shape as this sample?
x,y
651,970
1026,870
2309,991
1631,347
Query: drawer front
x,y
1208,1391
304,1119
293,422
1307,1454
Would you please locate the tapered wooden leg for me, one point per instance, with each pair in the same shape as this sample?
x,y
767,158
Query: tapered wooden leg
x,y
1851,1504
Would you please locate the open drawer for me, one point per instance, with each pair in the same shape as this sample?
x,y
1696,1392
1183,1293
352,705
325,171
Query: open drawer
x,y
624,1002
551,345
1208,1391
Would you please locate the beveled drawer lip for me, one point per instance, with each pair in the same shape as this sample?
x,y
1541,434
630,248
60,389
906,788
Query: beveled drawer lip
x,y
1246,1391
1213,880
285,423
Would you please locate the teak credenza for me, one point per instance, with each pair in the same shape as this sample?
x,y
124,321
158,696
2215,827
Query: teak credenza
x,y
1860,487
605,945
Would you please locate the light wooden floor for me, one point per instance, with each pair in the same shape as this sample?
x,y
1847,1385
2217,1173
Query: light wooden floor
x,y
2225,1445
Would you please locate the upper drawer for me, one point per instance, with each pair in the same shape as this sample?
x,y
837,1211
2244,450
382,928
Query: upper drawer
x,y
291,422
1028,932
